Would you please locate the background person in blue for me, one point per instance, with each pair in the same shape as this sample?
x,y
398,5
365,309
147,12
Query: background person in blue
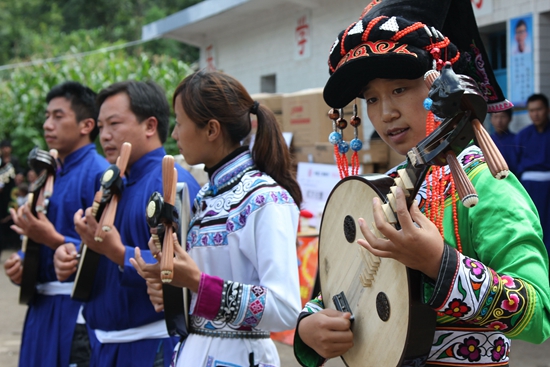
x,y
504,139
533,157
70,127
129,331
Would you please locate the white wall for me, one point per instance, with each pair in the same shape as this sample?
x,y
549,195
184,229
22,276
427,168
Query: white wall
x,y
265,45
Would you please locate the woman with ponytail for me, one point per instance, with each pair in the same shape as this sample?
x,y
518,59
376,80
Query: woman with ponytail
x,y
241,264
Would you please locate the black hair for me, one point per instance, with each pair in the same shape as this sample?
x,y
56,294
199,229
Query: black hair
x,y
82,101
147,99
520,23
508,113
207,95
538,97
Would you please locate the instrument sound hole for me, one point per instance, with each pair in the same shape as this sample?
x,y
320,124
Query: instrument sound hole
x,y
383,306
350,230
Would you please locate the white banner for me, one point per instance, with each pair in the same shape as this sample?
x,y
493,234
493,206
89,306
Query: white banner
x,y
317,181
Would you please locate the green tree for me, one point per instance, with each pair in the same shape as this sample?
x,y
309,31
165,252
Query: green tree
x,y
24,90
39,29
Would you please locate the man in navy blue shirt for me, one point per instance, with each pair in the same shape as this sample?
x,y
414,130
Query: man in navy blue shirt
x,y
503,138
533,157
129,331
53,318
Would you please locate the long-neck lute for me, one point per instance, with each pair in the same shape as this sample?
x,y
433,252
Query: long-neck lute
x,y
104,210
45,165
168,214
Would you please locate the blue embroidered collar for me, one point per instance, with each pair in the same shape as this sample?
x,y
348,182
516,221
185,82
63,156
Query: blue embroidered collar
x,y
226,175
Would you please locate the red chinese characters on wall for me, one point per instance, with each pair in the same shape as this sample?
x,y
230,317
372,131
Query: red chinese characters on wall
x,y
210,60
302,37
477,3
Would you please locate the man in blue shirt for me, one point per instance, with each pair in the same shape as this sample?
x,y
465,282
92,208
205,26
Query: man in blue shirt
x,y
129,331
503,138
533,157
51,322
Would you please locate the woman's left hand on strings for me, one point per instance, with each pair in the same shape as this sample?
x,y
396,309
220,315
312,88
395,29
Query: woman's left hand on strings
x,y
418,245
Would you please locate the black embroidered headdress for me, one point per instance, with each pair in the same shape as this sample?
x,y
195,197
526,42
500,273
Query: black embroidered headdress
x,y
402,39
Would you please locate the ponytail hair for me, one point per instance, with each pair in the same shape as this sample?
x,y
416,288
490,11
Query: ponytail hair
x,y
207,95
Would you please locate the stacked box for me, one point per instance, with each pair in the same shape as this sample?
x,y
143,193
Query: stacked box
x,y
273,101
305,115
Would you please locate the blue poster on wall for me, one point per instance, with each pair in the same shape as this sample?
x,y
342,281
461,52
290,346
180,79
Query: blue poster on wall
x,y
521,59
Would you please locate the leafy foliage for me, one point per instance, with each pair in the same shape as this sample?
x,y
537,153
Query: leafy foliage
x,y
37,29
23,94
41,29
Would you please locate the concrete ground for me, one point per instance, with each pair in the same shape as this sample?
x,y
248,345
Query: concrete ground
x,y
12,315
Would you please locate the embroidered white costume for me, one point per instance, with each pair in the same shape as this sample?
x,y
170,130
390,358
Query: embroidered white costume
x,y
243,238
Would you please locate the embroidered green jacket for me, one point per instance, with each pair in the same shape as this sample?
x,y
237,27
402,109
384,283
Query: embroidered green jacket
x,y
496,290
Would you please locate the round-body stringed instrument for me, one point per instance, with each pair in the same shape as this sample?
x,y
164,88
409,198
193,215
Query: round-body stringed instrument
x,y
390,321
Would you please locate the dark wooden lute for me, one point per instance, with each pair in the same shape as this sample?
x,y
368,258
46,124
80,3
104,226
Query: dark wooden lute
x,y
163,217
45,165
391,323
104,209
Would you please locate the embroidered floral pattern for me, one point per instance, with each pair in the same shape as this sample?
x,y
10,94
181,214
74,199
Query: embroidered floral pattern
x,y
497,325
488,300
255,202
476,267
511,304
500,350
475,63
469,346
507,281
457,308
470,349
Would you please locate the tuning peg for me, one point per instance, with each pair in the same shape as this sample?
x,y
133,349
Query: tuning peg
x,y
495,161
466,191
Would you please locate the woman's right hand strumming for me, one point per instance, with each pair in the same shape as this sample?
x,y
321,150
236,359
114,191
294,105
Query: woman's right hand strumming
x,y
327,332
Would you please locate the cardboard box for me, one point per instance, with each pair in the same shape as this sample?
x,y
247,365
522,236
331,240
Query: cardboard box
x,y
305,114
302,153
273,101
324,153
368,168
378,152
